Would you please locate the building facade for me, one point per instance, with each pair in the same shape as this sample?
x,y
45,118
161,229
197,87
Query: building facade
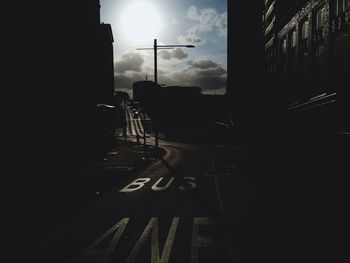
x,y
309,51
70,70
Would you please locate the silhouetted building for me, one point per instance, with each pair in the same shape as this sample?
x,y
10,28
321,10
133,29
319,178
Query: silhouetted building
x,y
244,51
59,67
179,103
145,91
69,70
165,100
107,64
179,92
245,61
121,96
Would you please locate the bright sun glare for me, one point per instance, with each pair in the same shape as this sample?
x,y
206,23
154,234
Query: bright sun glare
x,y
140,22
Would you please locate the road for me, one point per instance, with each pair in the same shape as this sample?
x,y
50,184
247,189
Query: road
x,y
191,205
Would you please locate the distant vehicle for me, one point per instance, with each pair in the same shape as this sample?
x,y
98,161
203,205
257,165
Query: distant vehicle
x,y
136,115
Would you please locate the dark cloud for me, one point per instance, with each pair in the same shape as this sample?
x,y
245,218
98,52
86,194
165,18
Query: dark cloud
x,y
210,82
162,72
164,54
213,71
202,64
212,79
124,81
206,74
129,62
177,53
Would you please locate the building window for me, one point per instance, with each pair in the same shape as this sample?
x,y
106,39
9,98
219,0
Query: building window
x,y
305,30
293,42
284,46
320,19
340,6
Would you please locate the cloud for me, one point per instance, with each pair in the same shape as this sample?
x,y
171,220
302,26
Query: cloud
x,y
202,64
207,20
212,79
164,54
192,13
177,53
189,39
221,24
207,74
125,81
129,62
213,71
162,72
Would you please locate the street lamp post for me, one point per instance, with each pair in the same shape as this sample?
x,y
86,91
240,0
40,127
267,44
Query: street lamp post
x,y
155,48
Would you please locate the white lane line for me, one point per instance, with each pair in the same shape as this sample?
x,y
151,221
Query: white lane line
x,y
139,129
132,124
129,132
222,211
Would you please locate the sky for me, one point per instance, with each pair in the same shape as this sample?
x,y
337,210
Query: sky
x,y
136,23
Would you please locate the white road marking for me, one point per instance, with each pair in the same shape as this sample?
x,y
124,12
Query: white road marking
x,y
101,251
133,131
155,187
93,254
140,127
199,241
139,183
222,211
190,184
152,230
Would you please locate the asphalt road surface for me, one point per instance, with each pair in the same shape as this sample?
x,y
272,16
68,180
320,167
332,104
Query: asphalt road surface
x,y
206,203
195,204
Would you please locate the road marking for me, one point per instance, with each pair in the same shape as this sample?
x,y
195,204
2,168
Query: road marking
x,y
189,183
199,241
102,249
155,187
222,210
139,127
94,254
139,183
133,131
153,231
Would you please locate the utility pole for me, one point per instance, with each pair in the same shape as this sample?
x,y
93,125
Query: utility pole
x,y
155,61
155,48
